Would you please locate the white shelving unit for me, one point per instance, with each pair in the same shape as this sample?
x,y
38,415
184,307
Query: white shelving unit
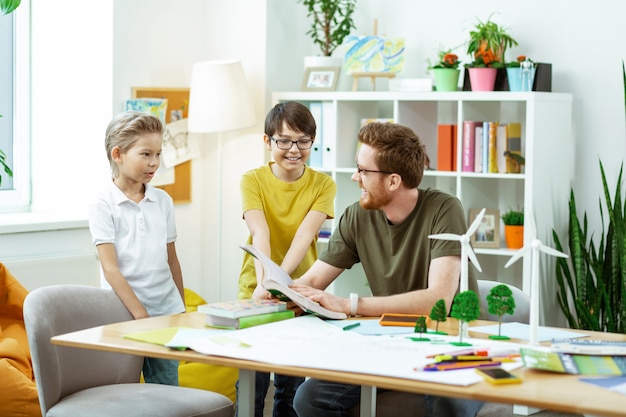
x,y
543,187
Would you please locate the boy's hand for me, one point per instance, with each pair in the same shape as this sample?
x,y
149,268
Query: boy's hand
x,y
323,298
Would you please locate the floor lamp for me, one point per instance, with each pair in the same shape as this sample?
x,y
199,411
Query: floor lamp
x,y
219,101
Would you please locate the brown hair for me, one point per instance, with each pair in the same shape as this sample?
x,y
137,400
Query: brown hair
x,y
125,129
399,150
296,115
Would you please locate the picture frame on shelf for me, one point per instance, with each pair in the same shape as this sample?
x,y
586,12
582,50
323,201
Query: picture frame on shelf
x,y
320,79
488,233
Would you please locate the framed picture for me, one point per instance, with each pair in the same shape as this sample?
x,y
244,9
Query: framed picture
x,y
320,79
488,233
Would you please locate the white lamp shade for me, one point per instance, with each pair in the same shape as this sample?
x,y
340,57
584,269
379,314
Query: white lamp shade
x,y
218,97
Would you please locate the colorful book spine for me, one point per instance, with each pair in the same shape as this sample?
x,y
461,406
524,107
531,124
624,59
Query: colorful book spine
x,y
493,152
468,145
501,147
478,150
445,145
514,146
485,152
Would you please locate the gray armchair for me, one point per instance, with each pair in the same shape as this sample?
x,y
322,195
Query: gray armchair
x,y
79,382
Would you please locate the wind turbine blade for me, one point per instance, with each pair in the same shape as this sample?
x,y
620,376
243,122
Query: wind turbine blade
x,y
518,255
445,236
551,251
473,258
475,223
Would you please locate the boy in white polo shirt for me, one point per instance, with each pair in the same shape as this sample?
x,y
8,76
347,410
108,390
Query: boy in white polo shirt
x,y
132,225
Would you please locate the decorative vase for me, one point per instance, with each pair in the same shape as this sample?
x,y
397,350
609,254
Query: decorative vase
x,y
482,79
446,79
521,79
514,236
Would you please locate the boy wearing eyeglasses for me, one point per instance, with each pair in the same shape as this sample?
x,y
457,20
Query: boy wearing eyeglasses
x,y
284,203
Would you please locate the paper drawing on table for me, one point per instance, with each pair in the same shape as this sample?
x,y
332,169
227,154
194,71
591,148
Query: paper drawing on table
x,y
277,281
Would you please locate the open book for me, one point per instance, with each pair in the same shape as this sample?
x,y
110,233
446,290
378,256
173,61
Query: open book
x,y
277,281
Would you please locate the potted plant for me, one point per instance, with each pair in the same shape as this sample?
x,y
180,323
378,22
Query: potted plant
x,y
446,71
331,22
521,73
6,7
487,48
513,228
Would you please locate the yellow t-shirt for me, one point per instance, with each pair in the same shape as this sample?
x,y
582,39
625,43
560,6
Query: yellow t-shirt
x,y
284,204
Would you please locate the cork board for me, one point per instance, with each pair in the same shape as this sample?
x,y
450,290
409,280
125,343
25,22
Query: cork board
x,y
177,101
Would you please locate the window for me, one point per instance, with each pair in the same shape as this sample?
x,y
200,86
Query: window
x,y
14,108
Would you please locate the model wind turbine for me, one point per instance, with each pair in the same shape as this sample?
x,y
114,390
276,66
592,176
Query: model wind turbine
x,y
466,248
532,249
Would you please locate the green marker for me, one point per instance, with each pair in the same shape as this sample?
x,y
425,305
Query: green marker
x,y
351,326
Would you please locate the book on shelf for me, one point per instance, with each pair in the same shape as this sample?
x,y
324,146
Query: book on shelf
x,y
278,282
446,147
544,358
468,145
478,150
242,308
514,146
501,147
492,151
248,321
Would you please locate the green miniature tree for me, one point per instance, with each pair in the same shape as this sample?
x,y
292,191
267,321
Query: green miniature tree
x,y
439,314
465,308
420,327
500,301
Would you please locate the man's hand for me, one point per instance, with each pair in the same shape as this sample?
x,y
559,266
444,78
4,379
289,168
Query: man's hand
x,y
323,298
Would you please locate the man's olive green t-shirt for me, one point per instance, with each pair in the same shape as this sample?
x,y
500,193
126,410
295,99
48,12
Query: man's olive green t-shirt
x,y
396,257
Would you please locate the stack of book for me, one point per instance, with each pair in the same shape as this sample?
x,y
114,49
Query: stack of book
x,y
582,357
491,147
240,314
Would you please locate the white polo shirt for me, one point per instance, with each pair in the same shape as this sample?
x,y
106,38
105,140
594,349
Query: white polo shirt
x,y
140,233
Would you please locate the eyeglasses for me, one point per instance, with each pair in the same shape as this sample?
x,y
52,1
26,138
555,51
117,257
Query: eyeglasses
x,y
360,171
286,144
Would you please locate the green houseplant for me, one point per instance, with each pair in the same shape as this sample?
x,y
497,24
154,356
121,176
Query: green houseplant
x,y
331,22
592,282
446,71
487,49
6,7
487,44
513,228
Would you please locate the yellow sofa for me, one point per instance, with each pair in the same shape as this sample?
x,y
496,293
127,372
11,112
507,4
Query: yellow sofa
x,y
18,392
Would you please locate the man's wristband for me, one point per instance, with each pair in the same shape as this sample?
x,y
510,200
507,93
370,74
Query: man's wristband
x,y
354,303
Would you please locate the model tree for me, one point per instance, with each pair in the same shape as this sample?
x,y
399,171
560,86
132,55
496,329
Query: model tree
x,y
465,308
439,314
500,301
420,327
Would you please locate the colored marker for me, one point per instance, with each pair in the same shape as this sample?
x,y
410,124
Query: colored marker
x,y
351,326
459,365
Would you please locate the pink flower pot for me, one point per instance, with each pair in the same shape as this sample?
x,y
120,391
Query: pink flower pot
x,y
482,79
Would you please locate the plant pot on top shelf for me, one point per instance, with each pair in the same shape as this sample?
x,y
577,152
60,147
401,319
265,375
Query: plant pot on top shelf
x,y
487,47
521,74
513,229
446,71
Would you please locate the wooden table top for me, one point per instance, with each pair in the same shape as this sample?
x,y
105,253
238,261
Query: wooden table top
x,y
545,390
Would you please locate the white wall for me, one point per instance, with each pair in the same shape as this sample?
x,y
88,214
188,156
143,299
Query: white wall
x,y
83,69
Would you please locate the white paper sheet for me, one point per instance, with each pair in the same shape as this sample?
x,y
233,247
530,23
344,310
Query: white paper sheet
x,y
313,343
522,331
